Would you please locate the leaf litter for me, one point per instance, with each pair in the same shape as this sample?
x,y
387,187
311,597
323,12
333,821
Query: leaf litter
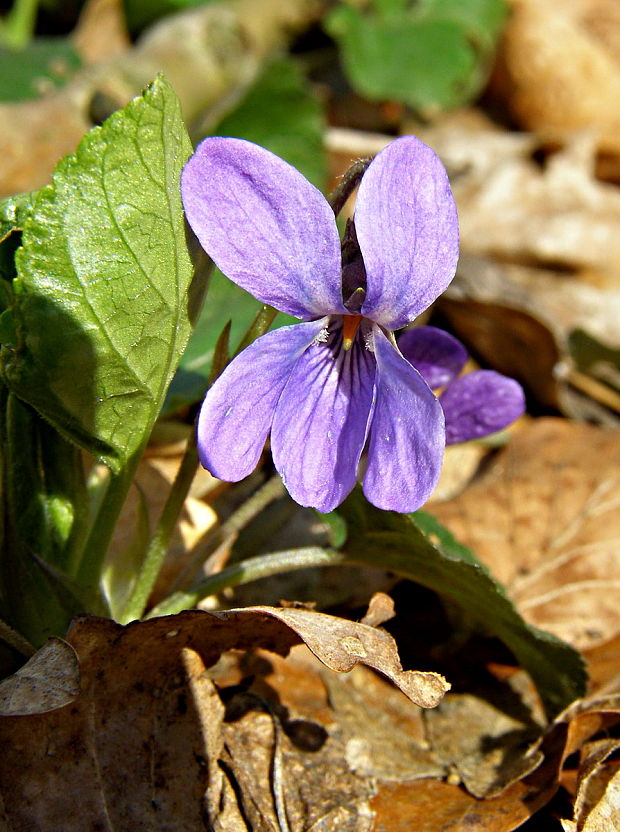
x,y
543,517
146,737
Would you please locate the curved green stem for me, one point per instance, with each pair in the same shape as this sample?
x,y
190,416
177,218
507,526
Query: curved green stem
x,y
247,571
225,534
94,551
158,546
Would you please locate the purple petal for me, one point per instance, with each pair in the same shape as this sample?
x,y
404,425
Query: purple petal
x,y
321,421
407,228
406,435
265,226
480,403
237,412
435,354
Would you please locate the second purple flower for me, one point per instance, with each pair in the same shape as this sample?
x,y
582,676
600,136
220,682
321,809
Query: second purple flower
x,y
336,384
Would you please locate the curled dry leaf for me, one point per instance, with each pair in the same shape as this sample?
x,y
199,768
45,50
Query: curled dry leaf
x,y
145,740
544,518
597,805
559,69
48,680
341,644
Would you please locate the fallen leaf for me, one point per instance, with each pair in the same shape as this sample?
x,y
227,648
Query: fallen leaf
x,y
341,644
384,732
49,680
597,806
435,806
543,517
380,610
142,742
488,739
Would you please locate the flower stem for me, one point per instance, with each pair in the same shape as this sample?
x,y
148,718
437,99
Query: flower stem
x,y
16,640
248,570
94,551
215,542
160,542
347,185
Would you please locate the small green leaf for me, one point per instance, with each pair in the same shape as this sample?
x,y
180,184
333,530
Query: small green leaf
x,y
43,65
336,528
431,55
418,547
103,274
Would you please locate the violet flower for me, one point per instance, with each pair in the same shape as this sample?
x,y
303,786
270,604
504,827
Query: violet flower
x,y
335,385
474,405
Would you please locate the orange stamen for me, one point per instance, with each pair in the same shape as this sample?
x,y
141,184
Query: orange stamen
x,y
350,325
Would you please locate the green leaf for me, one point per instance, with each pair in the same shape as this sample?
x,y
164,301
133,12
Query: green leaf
x,y
418,547
432,55
44,486
100,304
336,528
280,114
43,65
42,493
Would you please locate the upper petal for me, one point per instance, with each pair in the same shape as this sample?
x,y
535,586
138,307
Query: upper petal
x,y
320,424
237,413
438,356
407,228
407,434
480,403
265,226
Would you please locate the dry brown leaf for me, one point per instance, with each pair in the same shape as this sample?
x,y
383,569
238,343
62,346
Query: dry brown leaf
x,y
559,68
139,747
434,806
597,806
384,731
380,609
341,644
487,744
101,31
544,518
48,680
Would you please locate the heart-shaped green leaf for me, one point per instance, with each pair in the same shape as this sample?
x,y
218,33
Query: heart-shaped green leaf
x,y
100,301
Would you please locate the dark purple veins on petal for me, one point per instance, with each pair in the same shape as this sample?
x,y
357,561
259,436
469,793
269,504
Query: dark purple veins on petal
x,y
320,423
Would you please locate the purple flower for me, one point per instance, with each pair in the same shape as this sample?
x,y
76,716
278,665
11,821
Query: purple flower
x,y
474,405
336,384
